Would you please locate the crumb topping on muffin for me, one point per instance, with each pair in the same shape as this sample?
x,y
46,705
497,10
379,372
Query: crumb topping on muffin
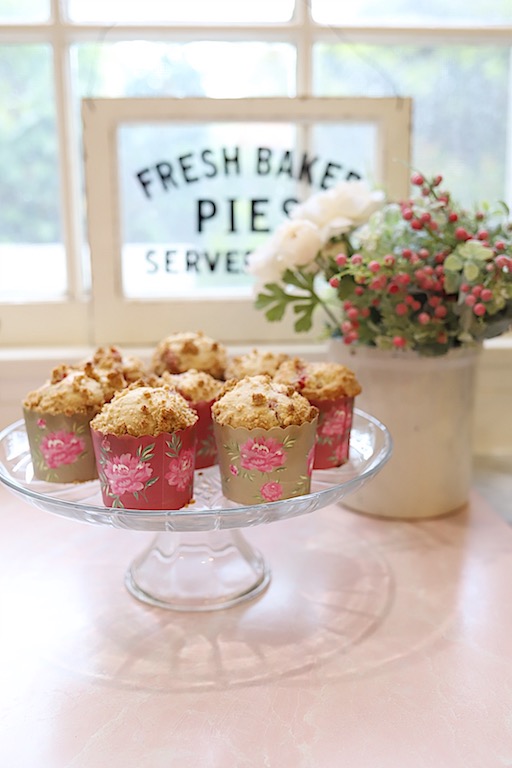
x,y
195,386
112,358
318,380
182,351
259,402
254,363
141,410
68,391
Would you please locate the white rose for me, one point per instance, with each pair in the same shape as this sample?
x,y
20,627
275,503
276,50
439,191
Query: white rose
x,y
340,209
293,244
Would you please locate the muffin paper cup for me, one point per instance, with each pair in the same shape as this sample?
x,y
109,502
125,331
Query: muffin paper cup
x,y
146,472
259,465
333,432
206,449
60,446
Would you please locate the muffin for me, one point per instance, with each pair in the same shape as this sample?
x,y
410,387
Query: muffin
x,y
265,435
330,387
183,351
254,363
111,359
145,441
57,417
200,390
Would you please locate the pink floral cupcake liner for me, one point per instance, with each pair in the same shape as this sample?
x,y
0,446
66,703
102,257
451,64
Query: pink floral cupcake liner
x,y
333,432
206,450
60,446
146,472
259,465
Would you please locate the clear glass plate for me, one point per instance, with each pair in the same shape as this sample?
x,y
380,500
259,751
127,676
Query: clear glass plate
x,y
199,559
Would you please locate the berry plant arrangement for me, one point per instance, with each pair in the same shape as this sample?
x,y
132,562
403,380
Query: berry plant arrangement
x,y
424,274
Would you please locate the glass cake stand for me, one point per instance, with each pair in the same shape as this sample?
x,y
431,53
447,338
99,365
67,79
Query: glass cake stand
x,y
199,559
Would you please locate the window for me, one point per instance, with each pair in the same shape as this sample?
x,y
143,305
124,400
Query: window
x,y
180,191
454,63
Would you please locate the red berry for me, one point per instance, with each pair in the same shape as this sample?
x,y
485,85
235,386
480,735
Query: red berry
x,y
341,259
407,253
486,294
479,309
424,318
440,311
399,342
374,266
462,234
437,180
453,216
401,309
499,245
334,282
417,224
470,300
417,179
483,234
407,214
476,290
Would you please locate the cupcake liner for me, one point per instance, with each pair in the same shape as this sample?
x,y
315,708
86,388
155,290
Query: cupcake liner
x,y
60,446
333,431
206,449
260,465
146,472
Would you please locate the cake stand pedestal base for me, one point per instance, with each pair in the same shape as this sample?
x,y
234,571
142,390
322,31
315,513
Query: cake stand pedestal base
x,y
200,571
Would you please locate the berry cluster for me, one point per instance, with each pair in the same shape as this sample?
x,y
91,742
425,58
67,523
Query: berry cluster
x,y
424,274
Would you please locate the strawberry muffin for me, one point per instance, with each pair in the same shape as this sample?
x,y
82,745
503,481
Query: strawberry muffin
x,y
265,434
330,387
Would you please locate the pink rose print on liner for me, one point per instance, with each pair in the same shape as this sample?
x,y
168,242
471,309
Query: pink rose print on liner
x,y
61,447
262,454
334,422
41,423
271,491
233,469
181,470
127,474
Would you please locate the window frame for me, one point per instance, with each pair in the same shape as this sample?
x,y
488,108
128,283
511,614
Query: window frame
x,y
130,321
69,322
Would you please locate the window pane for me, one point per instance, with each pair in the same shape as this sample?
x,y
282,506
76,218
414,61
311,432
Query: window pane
x,y
458,131
397,12
177,11
30,226
24,11
214,69
197,198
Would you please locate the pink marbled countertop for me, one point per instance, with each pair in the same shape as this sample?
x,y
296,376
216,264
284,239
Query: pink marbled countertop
x,y
379,644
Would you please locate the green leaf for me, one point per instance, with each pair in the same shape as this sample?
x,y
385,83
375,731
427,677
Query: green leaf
x,y
453,263
305,322
471,271
263,300
276,312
